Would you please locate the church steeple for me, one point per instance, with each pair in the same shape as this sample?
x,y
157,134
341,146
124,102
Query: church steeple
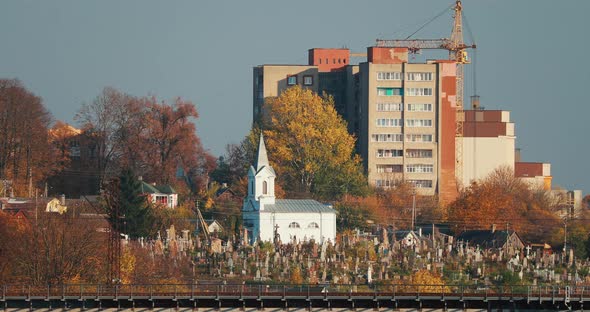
x,y
262,157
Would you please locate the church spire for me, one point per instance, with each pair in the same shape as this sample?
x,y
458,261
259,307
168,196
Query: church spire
x,y
262,157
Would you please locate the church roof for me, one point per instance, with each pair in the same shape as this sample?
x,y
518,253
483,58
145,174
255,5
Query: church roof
x,y
297,206
262,157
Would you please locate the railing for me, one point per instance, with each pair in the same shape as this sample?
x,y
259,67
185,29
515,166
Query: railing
x,y
95,291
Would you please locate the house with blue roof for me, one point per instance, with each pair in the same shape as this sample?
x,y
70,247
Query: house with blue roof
x,y
282,220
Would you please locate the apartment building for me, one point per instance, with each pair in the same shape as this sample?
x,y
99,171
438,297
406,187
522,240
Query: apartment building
x,y
403,114
408,118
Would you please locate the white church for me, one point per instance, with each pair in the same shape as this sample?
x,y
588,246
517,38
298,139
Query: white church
x,y
287,220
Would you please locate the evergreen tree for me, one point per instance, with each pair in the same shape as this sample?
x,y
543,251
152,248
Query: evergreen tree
x,y
128,210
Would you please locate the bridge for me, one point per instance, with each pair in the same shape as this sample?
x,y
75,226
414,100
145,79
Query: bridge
x,y
285,297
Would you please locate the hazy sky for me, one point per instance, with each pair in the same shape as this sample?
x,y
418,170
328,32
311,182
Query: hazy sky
x,y
532,57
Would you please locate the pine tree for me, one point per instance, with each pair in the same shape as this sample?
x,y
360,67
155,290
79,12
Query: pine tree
x,y
127,208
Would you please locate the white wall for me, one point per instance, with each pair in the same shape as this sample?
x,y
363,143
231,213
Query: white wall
x,y
481,156
326,230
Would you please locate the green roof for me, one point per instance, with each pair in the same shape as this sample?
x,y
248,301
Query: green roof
x,y
159,189
298,206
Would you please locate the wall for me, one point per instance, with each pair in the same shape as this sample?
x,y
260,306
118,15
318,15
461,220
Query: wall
x,y
328,60
326,230
482,155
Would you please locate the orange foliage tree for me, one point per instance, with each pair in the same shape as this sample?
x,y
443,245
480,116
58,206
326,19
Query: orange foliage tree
x,y
26,157
501,198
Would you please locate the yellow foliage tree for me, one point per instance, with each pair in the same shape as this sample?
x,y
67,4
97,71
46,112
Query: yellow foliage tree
x,y
424,281
127,266
310,146
296,275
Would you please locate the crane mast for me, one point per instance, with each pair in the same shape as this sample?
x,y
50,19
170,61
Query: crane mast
x,y
458,53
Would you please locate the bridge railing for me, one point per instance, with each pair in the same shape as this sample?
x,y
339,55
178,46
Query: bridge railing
x,y
232,289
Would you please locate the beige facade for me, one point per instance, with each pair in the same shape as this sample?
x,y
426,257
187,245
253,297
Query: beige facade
x,y
271,80
399,104
488,144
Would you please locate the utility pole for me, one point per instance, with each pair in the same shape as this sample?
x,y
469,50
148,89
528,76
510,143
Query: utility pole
x,y
413,208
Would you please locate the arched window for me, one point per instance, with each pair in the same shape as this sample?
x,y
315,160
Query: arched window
x,y
294,225
264,187
313,225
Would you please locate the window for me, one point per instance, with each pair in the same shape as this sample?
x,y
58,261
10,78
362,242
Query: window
x,y
389,153
390,137
418,122
420,107
313,225
385,183
162,200
420,76
419,168
389,76
294,225
419,138
419,153
421,183
390,107
252,187
389,168
419,91
291,80
264,188
389,122
307,80
390,91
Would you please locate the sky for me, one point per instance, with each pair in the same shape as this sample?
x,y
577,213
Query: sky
x,y
531,57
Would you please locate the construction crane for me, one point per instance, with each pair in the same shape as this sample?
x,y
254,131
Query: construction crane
x,y
458,53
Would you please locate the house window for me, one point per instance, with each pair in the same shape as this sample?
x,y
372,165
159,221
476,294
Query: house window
x,y
418,122
389,76
162,200
390,91
389,122
307,80
419,168
390,107
384,183
419,91
389,137
291,80
421,183
264,187
313,225
294,225
389,153
420,76
419,153
420,138
389,168
420,107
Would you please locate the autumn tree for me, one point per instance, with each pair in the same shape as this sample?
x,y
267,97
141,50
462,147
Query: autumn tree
x,y
309,145
502,199
25,154
153,138
52,248
103,121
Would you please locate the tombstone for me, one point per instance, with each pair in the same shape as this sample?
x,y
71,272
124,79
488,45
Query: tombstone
x,y
314,250
570,261
159,247
216,245
370,274
257,274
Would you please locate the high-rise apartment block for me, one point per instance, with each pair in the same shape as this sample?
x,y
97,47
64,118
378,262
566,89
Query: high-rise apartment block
x,y
403,114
